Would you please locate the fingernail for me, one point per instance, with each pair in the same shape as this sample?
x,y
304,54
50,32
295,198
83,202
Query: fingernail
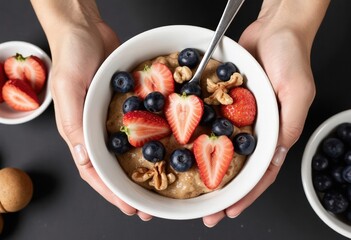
x,y
143,216
213,222
233,215
146,219
128,214
279,156
81,155
210,225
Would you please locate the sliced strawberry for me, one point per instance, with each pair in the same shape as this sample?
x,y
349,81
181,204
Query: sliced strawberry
x,y
2,80
183,114
156,77
31,69
213,156
144,126
19,95
242,112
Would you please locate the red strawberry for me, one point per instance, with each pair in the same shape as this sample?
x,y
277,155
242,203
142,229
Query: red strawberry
x,y
156,77
19,95
30,69
213,156
183,114
242,112
144,126
2,80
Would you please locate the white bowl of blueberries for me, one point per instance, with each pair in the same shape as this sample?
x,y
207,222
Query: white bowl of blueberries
x,y
326,172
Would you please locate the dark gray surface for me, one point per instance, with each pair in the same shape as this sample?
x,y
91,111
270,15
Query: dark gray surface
x,y
65,207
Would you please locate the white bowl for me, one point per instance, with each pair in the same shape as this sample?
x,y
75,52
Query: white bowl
x,y
8,115
161,41
306,172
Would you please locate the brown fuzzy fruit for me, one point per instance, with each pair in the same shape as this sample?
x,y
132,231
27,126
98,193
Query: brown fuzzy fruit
x,y
16,190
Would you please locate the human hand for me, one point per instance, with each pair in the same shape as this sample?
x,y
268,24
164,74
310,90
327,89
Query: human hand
x,y
78,48
283,50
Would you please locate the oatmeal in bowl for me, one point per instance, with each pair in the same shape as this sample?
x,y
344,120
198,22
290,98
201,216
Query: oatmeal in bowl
x,y
172,149
164,136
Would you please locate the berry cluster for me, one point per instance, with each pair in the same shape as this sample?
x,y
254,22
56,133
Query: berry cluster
x,y
331,171
157,110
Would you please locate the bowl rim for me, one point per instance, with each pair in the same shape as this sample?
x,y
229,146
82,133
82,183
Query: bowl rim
x,y
306,171
274,117
48,97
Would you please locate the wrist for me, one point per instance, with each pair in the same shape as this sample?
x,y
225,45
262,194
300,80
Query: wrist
x,y
56,16
301,16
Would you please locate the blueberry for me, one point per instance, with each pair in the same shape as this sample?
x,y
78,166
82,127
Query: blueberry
x,y
189,57
122,82
333,147
346,173
209,115
132,103
336,173
344,132
320,162
182,160
118,143
191,88
153,151
347,157
322,182
154,102
222,126
225,70
335,202
244,143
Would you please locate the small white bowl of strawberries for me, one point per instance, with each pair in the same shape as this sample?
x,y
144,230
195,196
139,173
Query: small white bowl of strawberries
x,y
24,75
172,149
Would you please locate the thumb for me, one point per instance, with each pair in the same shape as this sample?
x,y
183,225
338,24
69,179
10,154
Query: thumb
x,y
69,102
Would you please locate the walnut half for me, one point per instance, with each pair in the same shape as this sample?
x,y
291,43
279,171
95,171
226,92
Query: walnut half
x,y
220,90
182,74
156,176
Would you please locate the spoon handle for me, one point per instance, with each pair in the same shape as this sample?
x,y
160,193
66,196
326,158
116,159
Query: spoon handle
x,y
228,15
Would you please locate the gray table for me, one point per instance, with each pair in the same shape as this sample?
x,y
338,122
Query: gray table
x,y
65,207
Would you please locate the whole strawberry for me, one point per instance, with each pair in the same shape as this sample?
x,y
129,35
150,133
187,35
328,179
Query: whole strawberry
x,y
242,112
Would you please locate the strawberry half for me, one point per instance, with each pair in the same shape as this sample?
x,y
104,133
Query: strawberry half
x,y
31,69
2,80
213,156
183,114
156,77
242,112
19,95
143,126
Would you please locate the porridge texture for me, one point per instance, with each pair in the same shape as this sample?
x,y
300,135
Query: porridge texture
x,y
159,176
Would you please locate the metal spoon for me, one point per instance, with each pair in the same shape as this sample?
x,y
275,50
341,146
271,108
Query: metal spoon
x,y
228,15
